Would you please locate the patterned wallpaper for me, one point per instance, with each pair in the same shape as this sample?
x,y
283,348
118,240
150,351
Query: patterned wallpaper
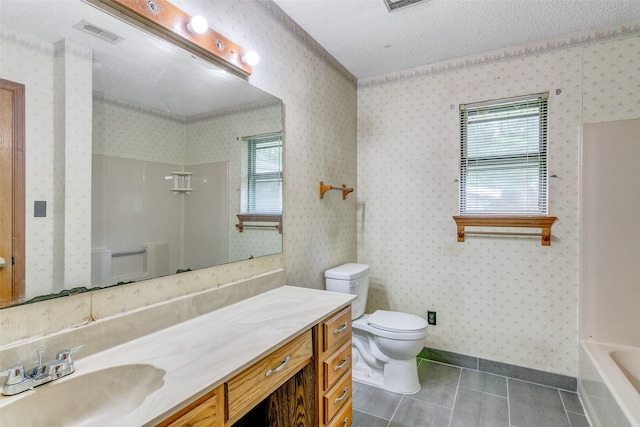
x,y
504,299
142,133
16,50
611,86
72,171
45,179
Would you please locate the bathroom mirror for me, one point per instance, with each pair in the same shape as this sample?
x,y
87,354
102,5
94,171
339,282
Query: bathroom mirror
x,y
152,183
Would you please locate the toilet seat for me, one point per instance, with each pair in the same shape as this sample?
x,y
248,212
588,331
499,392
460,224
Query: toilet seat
x,y
391,328
395,321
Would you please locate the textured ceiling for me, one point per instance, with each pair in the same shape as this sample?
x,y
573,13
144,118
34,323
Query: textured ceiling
x,y
369,40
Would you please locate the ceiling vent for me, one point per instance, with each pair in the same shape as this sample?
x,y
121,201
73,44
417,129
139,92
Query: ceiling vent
x,y
94,30
394,5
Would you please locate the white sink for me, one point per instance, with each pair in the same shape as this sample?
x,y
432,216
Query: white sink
x,y
91,399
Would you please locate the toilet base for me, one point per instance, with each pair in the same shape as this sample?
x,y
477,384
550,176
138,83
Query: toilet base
x,y
398,376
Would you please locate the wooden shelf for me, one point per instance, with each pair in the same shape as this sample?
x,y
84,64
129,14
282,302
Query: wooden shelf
x,y
242,218
542,222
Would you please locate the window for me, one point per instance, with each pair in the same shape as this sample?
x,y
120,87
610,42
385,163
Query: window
x,y
262,174
503,157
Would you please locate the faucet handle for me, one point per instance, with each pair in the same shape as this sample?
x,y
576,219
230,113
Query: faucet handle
x,y
39,369
15,375
65,355
58,368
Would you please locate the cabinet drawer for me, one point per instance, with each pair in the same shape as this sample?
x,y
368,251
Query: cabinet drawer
x,y
335,365
204,412
344,417
251,386
336,398
336,330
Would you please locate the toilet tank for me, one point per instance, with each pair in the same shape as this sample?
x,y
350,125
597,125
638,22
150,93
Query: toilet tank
x,y
350,279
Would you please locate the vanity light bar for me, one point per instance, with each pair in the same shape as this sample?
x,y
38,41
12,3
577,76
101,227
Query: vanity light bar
x,y
171,23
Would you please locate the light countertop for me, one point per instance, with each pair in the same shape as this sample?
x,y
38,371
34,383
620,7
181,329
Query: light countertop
x,y
202,353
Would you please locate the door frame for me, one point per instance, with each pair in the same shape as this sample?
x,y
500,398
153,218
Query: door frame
x,y
18,188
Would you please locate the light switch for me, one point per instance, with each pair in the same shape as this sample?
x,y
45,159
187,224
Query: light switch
x,y
39,208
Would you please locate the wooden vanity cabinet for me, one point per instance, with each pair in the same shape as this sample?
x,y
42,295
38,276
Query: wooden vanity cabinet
x,y
306,383
333,350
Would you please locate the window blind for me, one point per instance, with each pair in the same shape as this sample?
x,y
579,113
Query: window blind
x,y
262,174
503,157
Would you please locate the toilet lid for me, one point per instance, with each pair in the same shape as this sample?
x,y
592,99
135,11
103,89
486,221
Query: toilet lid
x,y
396,321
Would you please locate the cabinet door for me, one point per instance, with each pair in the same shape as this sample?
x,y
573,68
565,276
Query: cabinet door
x,y
208,411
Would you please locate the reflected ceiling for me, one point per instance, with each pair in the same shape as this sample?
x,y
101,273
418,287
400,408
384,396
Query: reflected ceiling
x,y
159,83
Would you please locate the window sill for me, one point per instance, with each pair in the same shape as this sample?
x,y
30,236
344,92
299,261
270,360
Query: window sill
x,y
542,222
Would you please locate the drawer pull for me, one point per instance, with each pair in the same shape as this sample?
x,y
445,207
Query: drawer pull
x,y
346,422
340,329
279,368
344,394
342,365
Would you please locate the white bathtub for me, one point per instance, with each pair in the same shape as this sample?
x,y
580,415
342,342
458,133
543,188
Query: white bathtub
x,y
610,384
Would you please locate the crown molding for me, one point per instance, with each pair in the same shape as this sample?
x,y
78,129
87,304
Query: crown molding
x,y
514,52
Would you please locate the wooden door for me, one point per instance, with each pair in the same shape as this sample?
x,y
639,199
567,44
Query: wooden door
x,y
12,201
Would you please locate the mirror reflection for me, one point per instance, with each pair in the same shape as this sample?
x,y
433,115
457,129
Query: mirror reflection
x,y
141,152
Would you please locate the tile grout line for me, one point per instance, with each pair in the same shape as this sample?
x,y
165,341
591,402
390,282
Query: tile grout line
x,y
508,402
482,391
373,415
396,410
564,406
455,397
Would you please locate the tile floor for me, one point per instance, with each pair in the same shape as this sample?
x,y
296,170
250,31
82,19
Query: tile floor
x,y
458,397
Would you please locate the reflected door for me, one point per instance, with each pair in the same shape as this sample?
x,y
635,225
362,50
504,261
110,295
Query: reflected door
x,y
11,192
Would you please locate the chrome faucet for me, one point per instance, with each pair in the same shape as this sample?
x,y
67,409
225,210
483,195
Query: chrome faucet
x,y
17,381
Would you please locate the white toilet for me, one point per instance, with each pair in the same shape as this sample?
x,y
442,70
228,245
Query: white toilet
x,y
385,343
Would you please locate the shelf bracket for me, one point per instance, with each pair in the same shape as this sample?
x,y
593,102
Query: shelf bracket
x,y
325,188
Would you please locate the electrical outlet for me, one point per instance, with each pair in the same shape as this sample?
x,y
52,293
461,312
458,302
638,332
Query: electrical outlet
x,y
431,317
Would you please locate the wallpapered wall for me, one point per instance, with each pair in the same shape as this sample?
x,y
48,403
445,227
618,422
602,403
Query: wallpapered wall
x,y
16,50
505,299
55,152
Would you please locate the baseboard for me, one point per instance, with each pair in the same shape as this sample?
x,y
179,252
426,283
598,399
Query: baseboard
x,y
550,379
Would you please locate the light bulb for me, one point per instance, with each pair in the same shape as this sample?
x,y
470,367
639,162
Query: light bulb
x,y
251,57
198,25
